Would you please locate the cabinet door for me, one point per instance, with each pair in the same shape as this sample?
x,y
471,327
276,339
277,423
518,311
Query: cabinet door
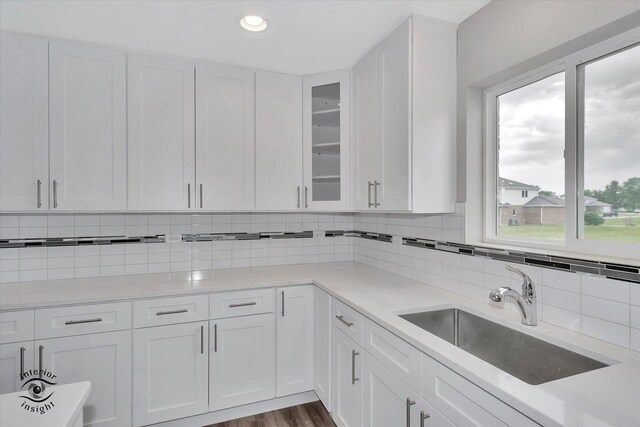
x,y
105,360
295,340
327,148
88,140
170,372
366,112
394,80
242,363
322,346
387,400
24,134
161,134
346,380
278,142
15,359
225,138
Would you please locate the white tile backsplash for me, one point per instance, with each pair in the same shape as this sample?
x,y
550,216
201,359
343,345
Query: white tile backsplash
x,y
603,308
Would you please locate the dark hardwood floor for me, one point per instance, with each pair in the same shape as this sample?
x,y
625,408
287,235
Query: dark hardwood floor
x,y
308,415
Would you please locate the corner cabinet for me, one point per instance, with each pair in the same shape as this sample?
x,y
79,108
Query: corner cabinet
x,y
88,127
405,121
294,367
327,147
161,134
24,114
278,142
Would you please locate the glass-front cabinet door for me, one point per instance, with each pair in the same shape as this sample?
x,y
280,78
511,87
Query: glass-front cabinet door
x,y
326,142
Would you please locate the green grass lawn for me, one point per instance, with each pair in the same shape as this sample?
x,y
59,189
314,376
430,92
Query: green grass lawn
x,y
612,229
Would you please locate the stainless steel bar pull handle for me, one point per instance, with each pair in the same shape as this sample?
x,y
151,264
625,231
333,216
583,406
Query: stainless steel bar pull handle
x,y
39,193
369,184
243,304
298,190
77,322
215,338
201,339
40,356
282,308
341,318
162,313
189,195
423,417
375,194
200,196
306,197
409,404
22,350
353,366
55,193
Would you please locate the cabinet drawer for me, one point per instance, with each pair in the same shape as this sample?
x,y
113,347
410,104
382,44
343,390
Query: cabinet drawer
x,y
463,402
84,319
347,320
395,354
16,326
169,311
241,303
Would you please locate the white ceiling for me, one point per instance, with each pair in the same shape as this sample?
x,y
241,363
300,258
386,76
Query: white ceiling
x,y
304,36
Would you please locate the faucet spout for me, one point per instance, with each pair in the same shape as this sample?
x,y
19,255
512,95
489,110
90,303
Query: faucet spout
x,y
526,301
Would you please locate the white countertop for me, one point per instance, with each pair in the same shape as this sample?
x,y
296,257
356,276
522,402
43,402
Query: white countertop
x,y
608,396
66,406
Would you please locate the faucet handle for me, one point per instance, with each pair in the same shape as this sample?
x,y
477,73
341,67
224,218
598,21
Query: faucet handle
x,y
528,289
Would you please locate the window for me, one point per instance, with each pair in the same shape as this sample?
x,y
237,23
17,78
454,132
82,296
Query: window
x,y
563,153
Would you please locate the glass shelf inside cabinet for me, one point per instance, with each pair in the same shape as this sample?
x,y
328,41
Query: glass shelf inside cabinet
x,y
325,142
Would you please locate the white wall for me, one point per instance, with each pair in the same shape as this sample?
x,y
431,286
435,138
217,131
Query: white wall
x,y
501,41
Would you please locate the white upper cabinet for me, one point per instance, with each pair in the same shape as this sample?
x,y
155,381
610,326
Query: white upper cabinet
x,y
278,142
87,109
24,114
327,148
225,138
365,116
405,121
161,131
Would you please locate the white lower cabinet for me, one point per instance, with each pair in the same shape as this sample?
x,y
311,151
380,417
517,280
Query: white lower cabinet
x,y
104,359
294,340
242,361
388,401
170,374
346,380
322,346
463,402
15,358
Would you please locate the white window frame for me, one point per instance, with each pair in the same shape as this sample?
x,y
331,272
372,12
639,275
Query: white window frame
x,y
574,155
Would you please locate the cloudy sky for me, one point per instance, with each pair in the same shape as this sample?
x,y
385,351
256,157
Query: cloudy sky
x,y
531,126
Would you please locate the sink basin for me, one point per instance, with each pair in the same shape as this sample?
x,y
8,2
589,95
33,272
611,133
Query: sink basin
x,y
530,359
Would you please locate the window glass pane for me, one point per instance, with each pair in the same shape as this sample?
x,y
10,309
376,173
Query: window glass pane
x,y
531,160
612,147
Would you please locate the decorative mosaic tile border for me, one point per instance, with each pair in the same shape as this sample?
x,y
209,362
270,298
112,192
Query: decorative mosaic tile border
x,y
610,270
213,237
79,241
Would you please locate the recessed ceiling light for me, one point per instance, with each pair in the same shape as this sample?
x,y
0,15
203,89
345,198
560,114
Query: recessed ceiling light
x,y
253,23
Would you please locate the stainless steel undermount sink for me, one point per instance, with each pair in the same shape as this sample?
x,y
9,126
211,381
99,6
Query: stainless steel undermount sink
x,y
530,359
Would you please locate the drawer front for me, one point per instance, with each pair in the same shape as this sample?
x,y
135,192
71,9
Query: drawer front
x,y
84,319
16,326
347,320
241,303
463,402
169,311
395,354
